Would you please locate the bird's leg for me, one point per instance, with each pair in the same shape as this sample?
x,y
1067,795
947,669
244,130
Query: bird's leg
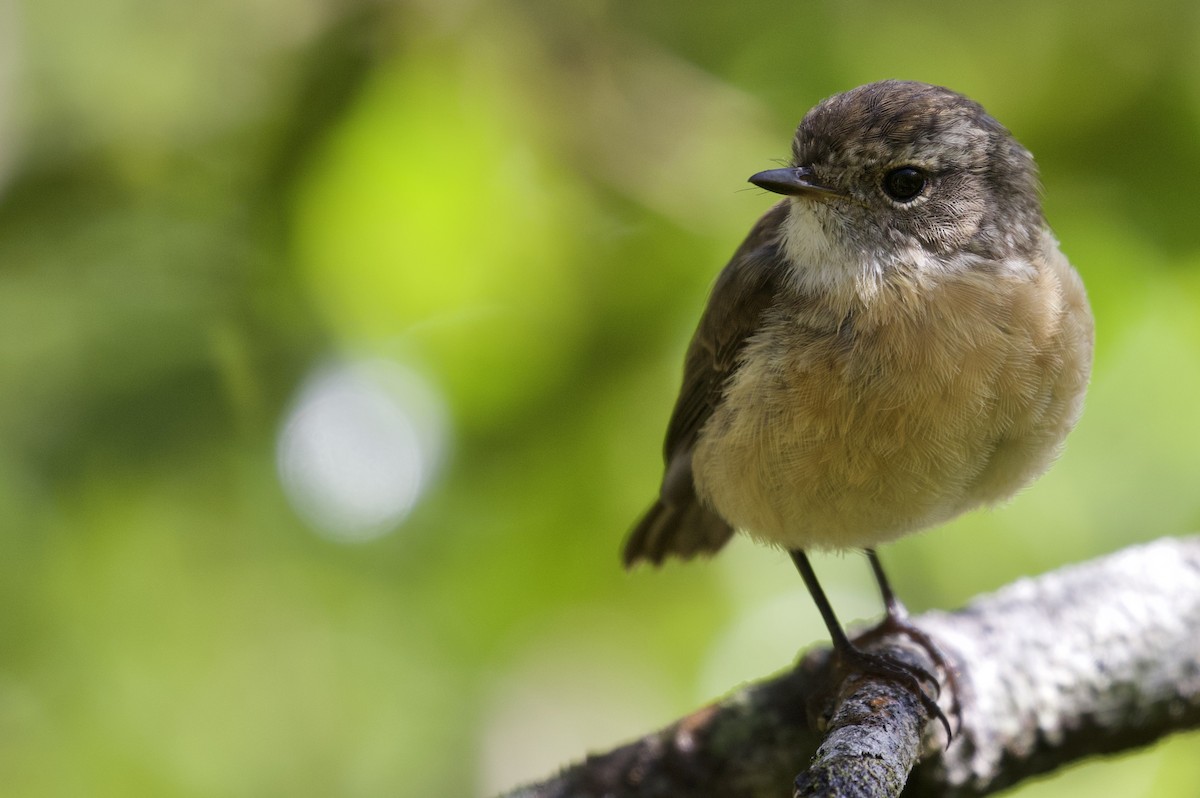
x,y
896,622
850,656
836,633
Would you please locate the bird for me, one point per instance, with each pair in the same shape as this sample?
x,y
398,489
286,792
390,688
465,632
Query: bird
x,y
897,341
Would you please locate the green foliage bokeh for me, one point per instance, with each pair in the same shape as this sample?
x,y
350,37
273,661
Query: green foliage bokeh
x,y
523,204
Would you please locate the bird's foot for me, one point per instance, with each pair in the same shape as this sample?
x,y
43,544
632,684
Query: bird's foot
x,y
855,659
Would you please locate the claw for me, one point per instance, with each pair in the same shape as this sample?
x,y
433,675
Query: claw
x,y
898,624
856,660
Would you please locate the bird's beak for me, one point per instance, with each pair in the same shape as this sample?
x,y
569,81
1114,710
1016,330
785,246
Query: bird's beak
x,y
792,181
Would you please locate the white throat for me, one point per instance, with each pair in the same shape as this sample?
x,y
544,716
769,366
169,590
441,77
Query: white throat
x,y
821,262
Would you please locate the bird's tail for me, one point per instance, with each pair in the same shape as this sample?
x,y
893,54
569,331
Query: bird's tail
x,y
683,529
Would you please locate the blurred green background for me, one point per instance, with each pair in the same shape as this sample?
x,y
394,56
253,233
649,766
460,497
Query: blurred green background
x,y
338,339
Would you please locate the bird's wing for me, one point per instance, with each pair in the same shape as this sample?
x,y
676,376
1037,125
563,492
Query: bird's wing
x,y
678,523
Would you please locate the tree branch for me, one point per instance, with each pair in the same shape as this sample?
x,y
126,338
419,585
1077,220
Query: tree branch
x,y
1090,659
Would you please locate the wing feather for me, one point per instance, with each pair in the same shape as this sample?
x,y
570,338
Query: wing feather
x,y
678,523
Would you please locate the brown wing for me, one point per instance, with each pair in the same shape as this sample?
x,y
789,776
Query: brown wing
x,y
678,523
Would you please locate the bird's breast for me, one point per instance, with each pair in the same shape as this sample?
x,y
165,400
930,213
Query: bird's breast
x,y
930,400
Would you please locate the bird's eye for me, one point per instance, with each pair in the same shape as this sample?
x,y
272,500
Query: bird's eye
x,y
904,184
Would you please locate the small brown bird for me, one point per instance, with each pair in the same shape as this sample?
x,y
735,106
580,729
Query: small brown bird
x,y
896,342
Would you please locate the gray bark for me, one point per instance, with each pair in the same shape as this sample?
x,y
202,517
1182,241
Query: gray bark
x,y
1090,659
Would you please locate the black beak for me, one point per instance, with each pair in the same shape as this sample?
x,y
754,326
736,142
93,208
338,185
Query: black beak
x,y
792,181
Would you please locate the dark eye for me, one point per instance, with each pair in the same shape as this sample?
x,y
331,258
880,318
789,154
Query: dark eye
x,y
904,184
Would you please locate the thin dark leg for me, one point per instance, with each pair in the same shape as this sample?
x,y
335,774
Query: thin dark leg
x,y
836,633
897,622
850,656
895,609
